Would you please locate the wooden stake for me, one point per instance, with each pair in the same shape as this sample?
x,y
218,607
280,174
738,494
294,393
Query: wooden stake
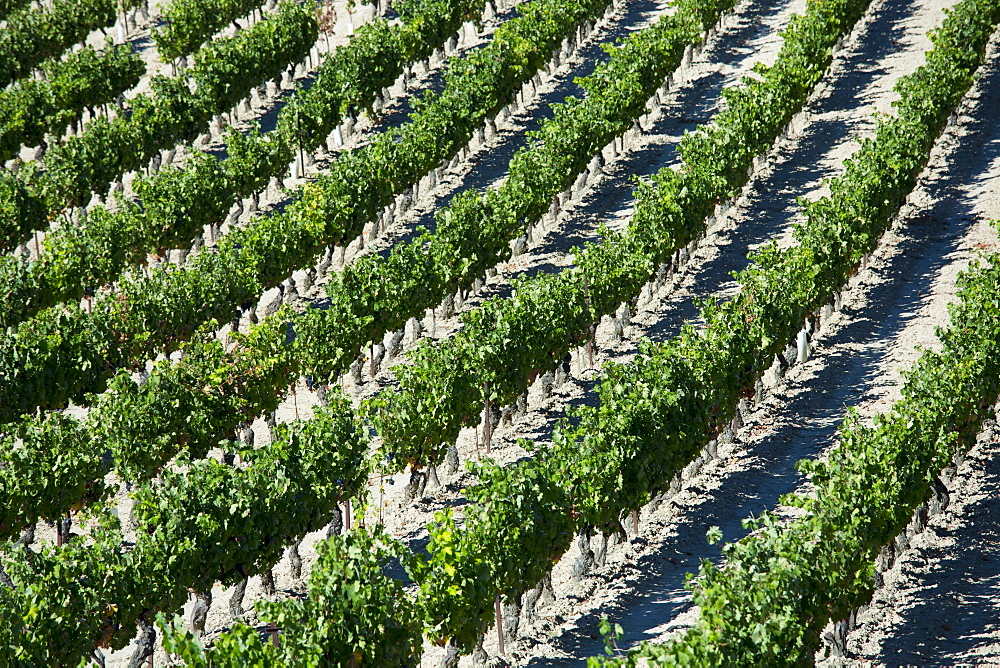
x,y
295,402
586,302
487,426
499,624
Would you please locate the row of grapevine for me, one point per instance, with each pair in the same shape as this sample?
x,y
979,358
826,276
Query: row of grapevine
x,y
350,80
143,426
657,414
876,483
372,623
528,489
190,23
506,343
376,295
627,57
31,109
33,36
61,355
211,522
226,70
224,73
175,205
208,394
820,568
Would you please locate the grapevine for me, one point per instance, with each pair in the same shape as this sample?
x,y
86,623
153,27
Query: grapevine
x,y
33,36
169,306
29,110
189,23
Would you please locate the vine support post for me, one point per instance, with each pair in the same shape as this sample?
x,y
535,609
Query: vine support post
x,y
487,426
591,330
499,616
295,401
298,139
38,254
347,515
635,522
803,344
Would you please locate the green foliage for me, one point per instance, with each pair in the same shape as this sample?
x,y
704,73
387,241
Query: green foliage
x,y
77,260
30,108
472,235
353,615
48,467
516,507
8,6
208,523
21,211
781,587
189,23
65,600
33,36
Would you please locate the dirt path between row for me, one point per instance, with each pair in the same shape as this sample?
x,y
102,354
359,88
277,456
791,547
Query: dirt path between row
x,y
643,577
936,604
890,309
891,45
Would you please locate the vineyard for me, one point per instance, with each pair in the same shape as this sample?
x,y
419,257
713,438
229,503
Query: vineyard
x,y
499,332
